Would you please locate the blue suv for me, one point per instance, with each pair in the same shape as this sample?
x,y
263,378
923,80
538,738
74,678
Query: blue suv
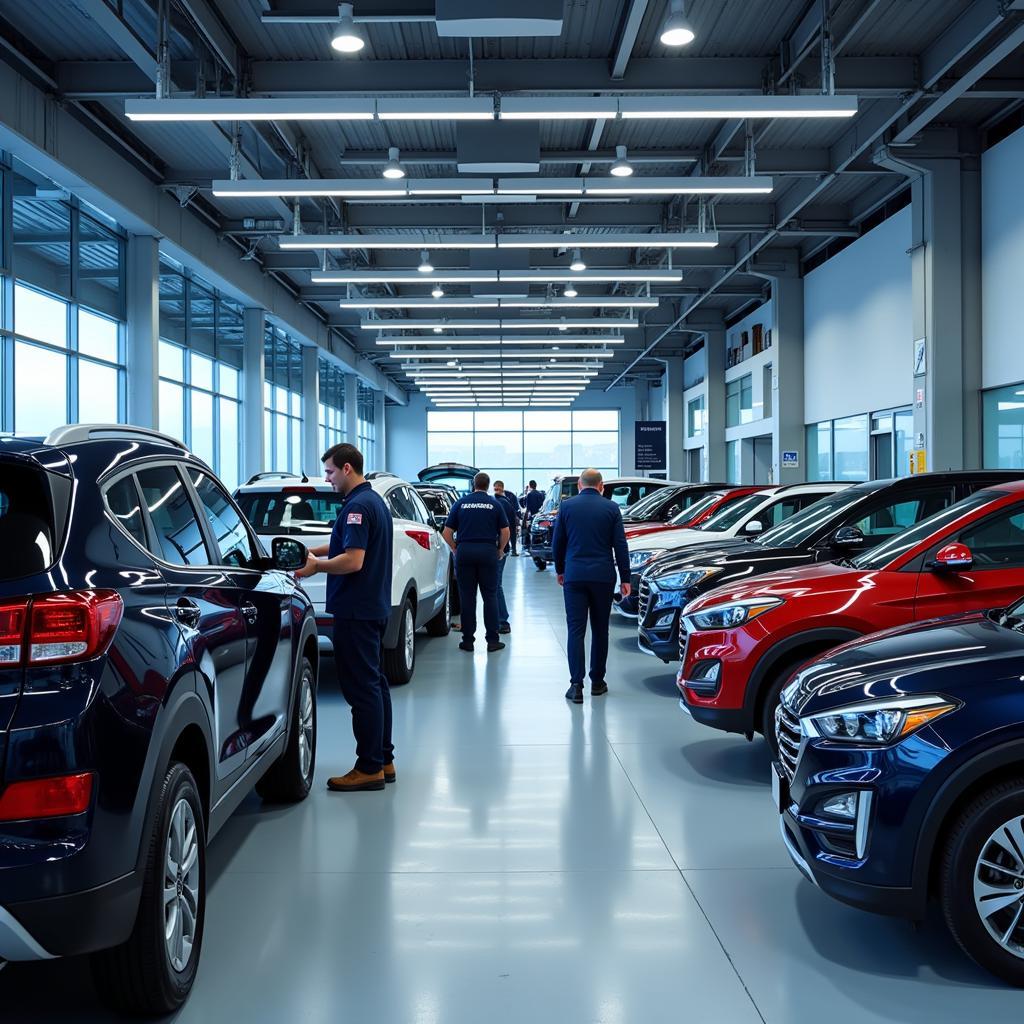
x,y
155,665
901,777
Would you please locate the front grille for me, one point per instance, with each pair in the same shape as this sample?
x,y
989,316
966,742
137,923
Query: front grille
x,y
643,600
787,732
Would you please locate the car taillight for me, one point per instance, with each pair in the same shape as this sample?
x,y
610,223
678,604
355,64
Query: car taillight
x,y
46,798
422,537
54,628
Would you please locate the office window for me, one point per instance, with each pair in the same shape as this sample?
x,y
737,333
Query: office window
x,y
332,405
1003,427
739,401
819,451
695,417
365,425
733,464
282,403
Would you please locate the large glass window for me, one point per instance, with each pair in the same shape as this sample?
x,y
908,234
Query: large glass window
x,y
366,425
1003,427
282,403
739,401
695,417
332,405
861,447
515,447
850,440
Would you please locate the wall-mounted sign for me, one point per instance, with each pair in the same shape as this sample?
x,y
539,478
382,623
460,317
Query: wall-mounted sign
x,y
919,398
790,460
651,445
920,357
918,461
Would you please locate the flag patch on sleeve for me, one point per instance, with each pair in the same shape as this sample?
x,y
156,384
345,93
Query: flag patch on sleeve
x,y
355,519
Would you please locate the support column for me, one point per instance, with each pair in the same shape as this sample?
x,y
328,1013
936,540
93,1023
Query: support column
x,y
714,468
675,416
380,429
253,455
311,411
351,409
142,281
782,268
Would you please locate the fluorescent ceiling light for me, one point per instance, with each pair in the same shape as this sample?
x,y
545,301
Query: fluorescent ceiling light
x,y
652,240
471,302
622,168
654,186
491,353
578,303
444,108
568,108
498,325
217,108
348,37
386,242
594,276
726,107
676,31
393,169
497,341
412,277
508,366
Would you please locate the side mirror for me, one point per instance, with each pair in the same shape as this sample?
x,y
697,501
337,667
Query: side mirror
x,y
848,537
288,554
953,558
754,526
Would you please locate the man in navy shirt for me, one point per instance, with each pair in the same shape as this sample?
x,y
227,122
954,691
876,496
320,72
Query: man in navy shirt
x,y
480,523
511,507
588,543
532,502
359,569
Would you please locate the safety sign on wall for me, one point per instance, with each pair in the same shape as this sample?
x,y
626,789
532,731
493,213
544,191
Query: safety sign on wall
x,y
790,460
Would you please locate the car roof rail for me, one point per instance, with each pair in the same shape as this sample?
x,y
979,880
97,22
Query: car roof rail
x,y
275,474
377,474
75,433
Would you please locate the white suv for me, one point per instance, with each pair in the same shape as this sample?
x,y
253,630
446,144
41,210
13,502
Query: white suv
x,y
282,505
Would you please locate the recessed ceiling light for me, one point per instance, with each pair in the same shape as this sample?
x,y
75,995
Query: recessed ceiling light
x,y
577,262
348,37
622,168
393,169
425,266
677,31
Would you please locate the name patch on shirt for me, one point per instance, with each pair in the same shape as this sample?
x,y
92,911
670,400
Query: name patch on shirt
x,y
355,519
483,505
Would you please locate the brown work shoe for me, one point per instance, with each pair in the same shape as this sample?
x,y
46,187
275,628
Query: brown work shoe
x,y
355,781
390,774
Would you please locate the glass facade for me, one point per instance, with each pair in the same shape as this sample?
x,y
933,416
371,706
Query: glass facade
x,y
695,417
200,369
864,447
1003,427
516,447
366,426
282,403
739,401
332,405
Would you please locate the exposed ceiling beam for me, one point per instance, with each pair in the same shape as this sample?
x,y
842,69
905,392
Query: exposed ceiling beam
x,y
216,36
632,19
975,25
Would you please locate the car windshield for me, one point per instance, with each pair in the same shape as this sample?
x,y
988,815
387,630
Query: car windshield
x,y
436,505
650,506
732,513
294,513
696,510
881,556
799,528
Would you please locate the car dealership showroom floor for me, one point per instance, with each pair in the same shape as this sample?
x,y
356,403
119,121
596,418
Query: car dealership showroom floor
x,y
536,861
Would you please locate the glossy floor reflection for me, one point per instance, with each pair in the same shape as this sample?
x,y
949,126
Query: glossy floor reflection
x,y
538,861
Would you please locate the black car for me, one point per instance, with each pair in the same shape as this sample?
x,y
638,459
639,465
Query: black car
x,y
845,523
900,778
661,506
155,665
542,525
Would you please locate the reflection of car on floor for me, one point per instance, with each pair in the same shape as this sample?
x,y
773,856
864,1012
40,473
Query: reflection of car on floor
x,y
624,491
421,586
899,779
155,665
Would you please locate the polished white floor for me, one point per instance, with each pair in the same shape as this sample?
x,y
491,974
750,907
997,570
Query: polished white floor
x,y
537,862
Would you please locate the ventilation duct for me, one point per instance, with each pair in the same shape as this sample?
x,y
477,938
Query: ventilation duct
x,y
499,18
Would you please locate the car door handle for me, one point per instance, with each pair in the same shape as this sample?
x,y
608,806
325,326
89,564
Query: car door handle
x,y
188,612
249,611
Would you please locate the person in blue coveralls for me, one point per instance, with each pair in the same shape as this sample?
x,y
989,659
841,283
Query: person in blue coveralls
x,y
531,502
589,542
477,531
511,503
359,570
511,507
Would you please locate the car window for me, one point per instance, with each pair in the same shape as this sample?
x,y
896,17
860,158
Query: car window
x,y
229,531
619,494
891,518
732,512
694,509
822,515
997,543
401,507
780,511
293,511
27,529
179,538
125,506
420,514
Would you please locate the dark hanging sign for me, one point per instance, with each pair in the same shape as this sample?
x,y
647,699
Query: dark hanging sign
x,y
651,445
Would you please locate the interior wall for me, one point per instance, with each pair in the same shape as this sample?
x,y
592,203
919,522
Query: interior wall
x,y
858,326
1002,256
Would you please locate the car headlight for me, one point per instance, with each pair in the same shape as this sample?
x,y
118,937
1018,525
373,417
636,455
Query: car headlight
x,y
638,559
735,613
685,579
878,723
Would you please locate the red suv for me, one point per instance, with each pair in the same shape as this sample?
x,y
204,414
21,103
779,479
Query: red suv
x,y
741,643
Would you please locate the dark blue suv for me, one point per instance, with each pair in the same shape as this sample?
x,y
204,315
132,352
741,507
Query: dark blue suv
x,y
155,665
901,777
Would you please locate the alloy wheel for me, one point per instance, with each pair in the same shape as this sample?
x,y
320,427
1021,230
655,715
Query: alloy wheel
x,y
181,885
408,638
999,886
306,738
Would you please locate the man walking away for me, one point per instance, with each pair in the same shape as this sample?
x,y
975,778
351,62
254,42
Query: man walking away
x,y
481,525
359,568
511,507
588,543
532,502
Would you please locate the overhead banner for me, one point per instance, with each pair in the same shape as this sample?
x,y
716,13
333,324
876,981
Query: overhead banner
x,y
651,445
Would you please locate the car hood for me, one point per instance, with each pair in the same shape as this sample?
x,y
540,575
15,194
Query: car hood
x,y
677,537
642,529
790,584
721,554
923,657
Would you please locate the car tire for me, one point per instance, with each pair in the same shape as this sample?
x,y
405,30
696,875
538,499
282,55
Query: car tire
x,y
290,778
540,563
400,660
967,886
441,623
773,695
152,974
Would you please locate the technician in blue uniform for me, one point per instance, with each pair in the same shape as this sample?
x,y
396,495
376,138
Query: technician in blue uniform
x,y
480,523
359,569
511,507
588,543
532,501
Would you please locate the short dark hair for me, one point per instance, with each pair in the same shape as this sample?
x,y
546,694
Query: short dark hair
x,y
533,484
481,482
499,483
339,454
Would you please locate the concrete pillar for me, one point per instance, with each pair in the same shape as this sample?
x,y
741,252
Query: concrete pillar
x,y
675,417
782,268
351,408
714,468
945,261
142,281
380,429
254,327
311,411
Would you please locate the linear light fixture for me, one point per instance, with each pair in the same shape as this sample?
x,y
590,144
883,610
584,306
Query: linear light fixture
x,y
555,275
448,108
567,108
469,302
509,366
496,340
638,240
720,108
499,325
504,353
643,186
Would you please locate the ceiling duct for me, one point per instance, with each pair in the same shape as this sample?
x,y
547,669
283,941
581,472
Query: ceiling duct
x,y
499,18
498,147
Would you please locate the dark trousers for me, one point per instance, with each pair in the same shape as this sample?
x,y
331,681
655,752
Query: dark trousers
x,y
476,568
513,538
585,601
358,644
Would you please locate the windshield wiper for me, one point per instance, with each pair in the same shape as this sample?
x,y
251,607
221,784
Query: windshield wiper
x,y
846,563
